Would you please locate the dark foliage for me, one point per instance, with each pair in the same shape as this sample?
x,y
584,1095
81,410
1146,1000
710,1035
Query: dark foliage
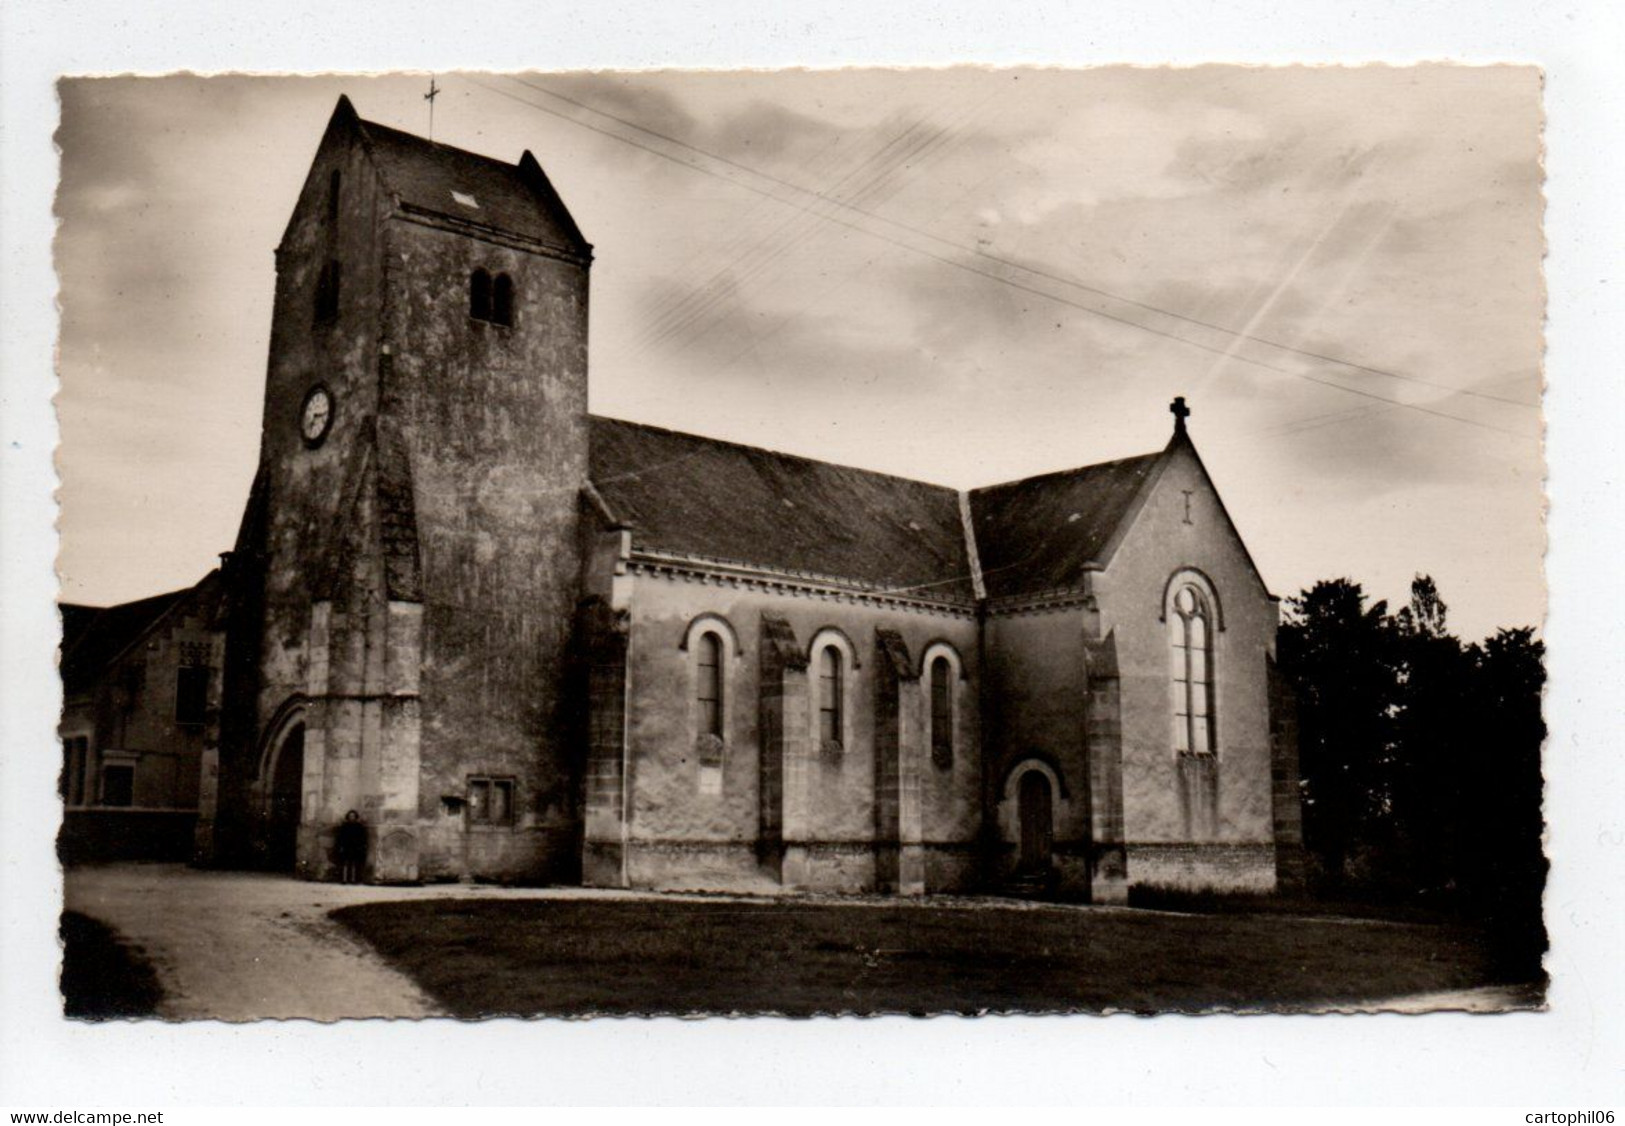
x,y
102,977
1420,758
1340,660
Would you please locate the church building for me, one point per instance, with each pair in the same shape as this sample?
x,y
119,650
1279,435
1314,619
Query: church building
x,y
531,644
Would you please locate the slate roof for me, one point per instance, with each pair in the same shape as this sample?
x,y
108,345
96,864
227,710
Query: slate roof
x,y
75,618
94,636
515,198
720,501
1039,534
724,502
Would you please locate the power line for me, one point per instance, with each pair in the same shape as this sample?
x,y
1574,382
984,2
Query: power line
x,y
1014,264
743,238
753,341
876,186
969,268
703,302
881,186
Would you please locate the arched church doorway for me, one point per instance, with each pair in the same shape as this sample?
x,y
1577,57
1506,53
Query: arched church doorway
x,y
1035,805
287,788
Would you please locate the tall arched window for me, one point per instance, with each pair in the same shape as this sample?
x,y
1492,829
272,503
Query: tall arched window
x,y
942,712
708,684
1190,635
831,696
502,300
710,643
479,295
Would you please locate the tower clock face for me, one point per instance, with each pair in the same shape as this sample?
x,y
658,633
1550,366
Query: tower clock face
x,y
316,416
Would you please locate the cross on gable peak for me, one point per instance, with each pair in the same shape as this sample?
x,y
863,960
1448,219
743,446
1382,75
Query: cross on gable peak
x,y
1180,412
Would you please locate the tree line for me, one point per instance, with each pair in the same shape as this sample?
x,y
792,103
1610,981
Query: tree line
x,y
1420,755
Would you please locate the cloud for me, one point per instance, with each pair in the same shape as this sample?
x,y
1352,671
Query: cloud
x,y
623,95
763,130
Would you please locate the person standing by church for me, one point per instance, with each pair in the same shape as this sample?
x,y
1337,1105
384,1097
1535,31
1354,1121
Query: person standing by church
x,y
350,844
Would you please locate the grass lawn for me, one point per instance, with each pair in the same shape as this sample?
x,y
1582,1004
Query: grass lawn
x,y
571,957
103,978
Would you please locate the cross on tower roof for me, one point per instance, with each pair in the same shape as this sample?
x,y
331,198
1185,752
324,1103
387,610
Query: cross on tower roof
x,y
1180,412
434,92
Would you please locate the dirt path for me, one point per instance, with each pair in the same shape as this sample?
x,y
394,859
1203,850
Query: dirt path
x,y
242,946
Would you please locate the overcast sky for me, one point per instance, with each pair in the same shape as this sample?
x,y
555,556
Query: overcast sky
x,y
1385,217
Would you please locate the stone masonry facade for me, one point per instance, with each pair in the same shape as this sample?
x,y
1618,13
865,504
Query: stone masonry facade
x,y
529,644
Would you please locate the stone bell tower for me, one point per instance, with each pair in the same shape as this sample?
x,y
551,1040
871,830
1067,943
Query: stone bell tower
x,y
408,566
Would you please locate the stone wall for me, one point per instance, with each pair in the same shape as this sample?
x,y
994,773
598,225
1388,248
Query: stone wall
x,y
492,420
306,516
409,583
827,825
100,836
311,492
128,717
1131,592
1204,867
1079,682
602,635
1038,696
